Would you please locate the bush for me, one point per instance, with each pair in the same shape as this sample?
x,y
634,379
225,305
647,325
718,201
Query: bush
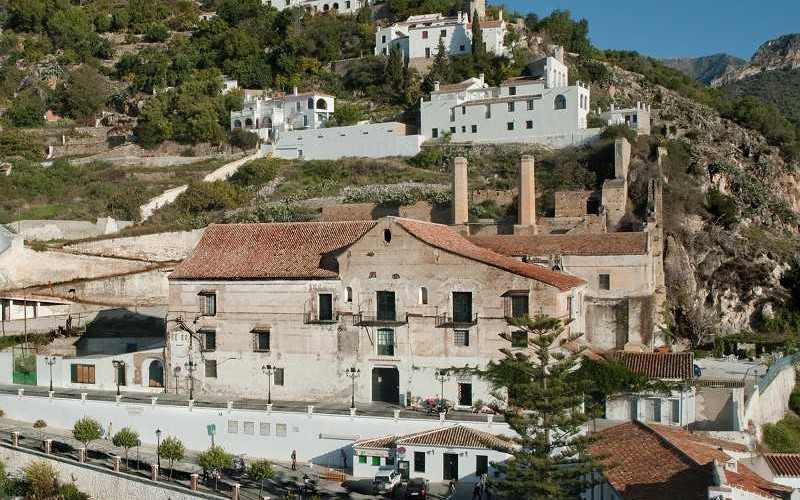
x,y
42,479
722,208
27,110
255,173
794,402
617,131
87,430
156,33
243,139
346,114
71,492
260,470
17,143
171,449
39,424
201,197
783,436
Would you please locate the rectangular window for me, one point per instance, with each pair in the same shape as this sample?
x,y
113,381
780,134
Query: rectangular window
x,y
362,459
208,303
347,4
605,282
261,341
519,306
511,107
488,111
386,306
209,338
529,124
465,394
530,104
435,133
462,307
519,339
442,33
653,410
452,114
249,428
427,52
461,338
375,461
481,465
383,38
82,374
463,129
280,430
463,110
385,342
462,48
675,411
277,377
452,130
211,368
510,125
389,460
326,307
474,129
233,427
419,461
263,428
512,90
424,35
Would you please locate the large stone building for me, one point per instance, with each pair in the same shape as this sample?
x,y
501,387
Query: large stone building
x,y
541,108
395,298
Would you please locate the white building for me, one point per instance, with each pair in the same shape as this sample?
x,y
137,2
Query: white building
x,y
637,117
268,116
418,36
456,453
337,6
370,140
541,108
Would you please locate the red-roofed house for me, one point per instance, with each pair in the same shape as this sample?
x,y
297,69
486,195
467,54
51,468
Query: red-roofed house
x,y
781,468
395,298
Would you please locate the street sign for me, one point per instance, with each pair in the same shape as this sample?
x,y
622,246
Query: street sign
x,y
211,429
401,450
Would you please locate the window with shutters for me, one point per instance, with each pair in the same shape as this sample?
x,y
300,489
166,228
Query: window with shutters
x,y
604,282
518,305
249,428
208,303
261,340
511,107
462,307
208,339
211,368
82,374
263,428
277,377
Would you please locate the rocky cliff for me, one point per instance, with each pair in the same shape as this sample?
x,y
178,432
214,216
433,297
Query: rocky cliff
x,y
707,68
723,265
780,53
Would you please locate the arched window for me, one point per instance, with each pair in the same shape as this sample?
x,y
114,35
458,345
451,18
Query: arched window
x,y
335,6
423,295
321,104
349,294
237,124
326,8
310,103
560,102
248,123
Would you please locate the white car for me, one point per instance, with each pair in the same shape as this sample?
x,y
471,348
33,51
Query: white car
x,y
386,480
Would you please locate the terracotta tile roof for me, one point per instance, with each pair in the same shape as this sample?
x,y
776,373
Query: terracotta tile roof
x,y
566,244
673,365
654,462
446,239
270,251
783,464
456,436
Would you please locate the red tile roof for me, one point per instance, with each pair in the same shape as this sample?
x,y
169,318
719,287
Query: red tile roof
x,y
673,365
446,239
270,251
654,462
454,436
566,244
784,464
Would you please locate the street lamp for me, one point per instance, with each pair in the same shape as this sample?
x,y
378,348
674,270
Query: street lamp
x,y
50,360
442,376
269,370
353,373
158,449
190,365
177,372
118,364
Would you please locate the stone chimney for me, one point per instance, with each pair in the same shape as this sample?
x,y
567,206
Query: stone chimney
x,y
294,91
527,197
622,158
460,191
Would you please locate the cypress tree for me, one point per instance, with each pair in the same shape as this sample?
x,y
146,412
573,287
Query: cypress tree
x,y
440,71
545,410
478,48
395,74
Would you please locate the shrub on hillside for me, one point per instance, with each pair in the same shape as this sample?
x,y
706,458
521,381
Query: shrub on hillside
x,y
201,197
722,208
783,436
155,33
255,173
243,139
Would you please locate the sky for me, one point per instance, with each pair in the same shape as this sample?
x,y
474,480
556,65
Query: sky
x,y
676,28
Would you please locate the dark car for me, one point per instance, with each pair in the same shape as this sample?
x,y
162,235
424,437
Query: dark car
x,y
417,488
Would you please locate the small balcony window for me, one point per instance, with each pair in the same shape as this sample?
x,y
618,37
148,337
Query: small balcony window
x,y
326,307
462,307
386,306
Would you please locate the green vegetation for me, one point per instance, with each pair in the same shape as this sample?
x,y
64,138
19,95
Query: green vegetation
x,y
42,479
39,481
783,436
779,88
215,459
87,430
171,449
259,471
544,408
126,438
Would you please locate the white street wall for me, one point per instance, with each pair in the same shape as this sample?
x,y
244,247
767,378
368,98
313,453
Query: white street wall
x,y
159,247
6,367
136,371
101,484
434,461
317,438
46,230
372,140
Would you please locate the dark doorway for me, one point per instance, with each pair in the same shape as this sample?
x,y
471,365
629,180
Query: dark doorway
x,y
121,374
155,374
465,394
386,385
481,465
386,306
403,466
450,467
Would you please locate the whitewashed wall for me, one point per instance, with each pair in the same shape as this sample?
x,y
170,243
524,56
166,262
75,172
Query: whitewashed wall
x,y
372,140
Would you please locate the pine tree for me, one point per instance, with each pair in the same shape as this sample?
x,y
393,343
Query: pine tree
x,y
545,410
394,73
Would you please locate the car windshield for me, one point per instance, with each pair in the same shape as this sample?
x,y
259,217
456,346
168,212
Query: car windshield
x,y
416,483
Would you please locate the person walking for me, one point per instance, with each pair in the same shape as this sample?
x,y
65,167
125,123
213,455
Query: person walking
x,y
109,436
451,489
294,459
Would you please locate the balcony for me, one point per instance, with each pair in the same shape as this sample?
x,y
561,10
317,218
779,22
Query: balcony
x,y
362,319
445,321
314,318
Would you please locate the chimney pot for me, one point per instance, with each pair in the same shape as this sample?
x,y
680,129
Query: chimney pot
x,y
460,191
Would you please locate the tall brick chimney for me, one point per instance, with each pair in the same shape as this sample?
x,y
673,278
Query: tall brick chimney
x,y
527,196
460,191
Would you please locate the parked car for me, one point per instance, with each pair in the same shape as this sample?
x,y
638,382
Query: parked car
x,y
417,488
387,480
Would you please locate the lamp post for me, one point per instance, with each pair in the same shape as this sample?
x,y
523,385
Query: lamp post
x,y
442,376
353,373
269,370
158,449
177,372
118,363
50,360
190,365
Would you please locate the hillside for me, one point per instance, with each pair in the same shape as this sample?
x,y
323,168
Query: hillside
x,y
707,68
780,53
779,88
